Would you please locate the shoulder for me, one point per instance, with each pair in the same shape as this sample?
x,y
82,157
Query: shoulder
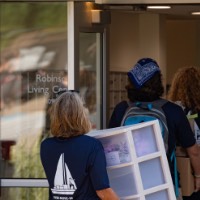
x,y
121,105
46,145
175,114
118,114
89,141
47,141
90,144
172,107
120,108
87,138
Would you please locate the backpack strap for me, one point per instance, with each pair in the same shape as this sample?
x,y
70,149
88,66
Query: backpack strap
x,y
176,180
159,103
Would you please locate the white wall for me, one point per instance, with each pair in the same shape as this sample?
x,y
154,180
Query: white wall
x,y
134,36
173,43
123,41
182,45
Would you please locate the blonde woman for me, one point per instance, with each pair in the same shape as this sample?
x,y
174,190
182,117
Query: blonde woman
x,y
185,90
74,163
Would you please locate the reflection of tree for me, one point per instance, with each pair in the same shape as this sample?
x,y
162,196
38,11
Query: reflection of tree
x,y
25,25
88,49
88,73
19,17
55,89
26,162
87,88
31,17
21,24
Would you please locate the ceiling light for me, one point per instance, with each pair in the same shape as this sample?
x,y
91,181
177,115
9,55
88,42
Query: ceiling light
x,y
158,7
195,13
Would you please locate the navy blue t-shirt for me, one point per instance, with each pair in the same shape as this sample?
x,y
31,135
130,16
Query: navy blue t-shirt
x,y
180,132
75,167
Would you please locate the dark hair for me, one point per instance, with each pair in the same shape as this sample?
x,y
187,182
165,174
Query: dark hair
x,y
153,89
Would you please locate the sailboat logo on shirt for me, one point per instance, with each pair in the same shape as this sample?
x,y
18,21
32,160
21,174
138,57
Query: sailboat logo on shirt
x,y
63,182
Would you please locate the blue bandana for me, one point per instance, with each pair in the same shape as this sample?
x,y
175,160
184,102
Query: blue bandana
x,y
144,70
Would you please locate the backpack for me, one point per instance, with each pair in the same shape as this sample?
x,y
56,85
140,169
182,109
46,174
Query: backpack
x,y
147,111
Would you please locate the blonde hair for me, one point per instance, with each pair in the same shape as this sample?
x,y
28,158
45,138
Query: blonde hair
x,y
185,88
68,116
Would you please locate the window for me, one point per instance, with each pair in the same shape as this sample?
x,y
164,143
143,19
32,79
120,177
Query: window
x,y
33,68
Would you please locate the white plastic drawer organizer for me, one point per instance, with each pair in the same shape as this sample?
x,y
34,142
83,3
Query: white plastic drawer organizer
x,y
136,162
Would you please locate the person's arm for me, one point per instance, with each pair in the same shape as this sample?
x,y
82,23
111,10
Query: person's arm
x,y
98,173
194,154
107,194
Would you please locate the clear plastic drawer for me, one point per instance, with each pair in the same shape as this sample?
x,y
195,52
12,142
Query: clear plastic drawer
x,y
116,149
151,173
122,181
161,195
144,141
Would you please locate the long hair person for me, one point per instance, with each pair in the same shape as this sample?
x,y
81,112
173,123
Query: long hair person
x,y
74,163
185,88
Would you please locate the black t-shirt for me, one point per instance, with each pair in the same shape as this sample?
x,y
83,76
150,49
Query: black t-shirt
x,y
75,167
180,132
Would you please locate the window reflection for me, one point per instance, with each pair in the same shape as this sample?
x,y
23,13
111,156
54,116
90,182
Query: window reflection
x,y
24,193
89,75
33,68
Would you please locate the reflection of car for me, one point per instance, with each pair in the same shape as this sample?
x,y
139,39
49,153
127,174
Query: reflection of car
x,y
20,73
10,87
5,147
33,58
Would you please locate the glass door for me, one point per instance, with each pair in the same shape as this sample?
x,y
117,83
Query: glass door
x,y
90,73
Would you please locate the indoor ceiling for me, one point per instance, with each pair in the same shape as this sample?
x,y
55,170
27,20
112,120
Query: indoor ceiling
x,y
182,11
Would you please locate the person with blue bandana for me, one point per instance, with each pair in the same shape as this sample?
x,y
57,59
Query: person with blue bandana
x,y
145,85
